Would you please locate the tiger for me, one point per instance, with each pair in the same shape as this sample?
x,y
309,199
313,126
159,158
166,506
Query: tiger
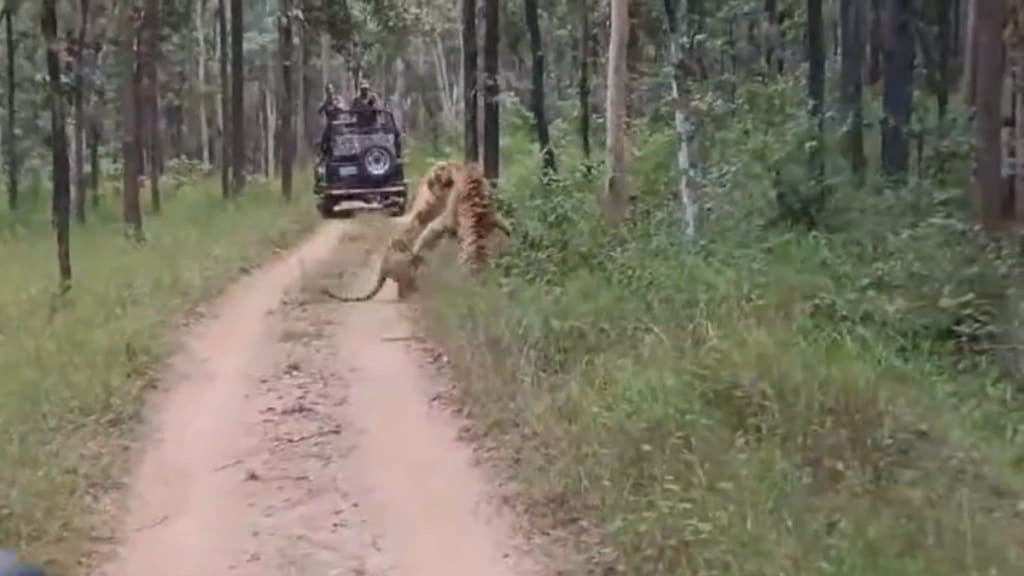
x,y
431,197
398,264
470,216
445,188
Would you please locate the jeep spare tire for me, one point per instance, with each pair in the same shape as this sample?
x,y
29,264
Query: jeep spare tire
x,y
377,162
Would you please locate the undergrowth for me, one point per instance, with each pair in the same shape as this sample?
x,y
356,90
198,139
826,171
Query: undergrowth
x,y
769,401
73,371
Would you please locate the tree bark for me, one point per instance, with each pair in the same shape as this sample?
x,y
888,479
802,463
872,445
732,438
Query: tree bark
x,y
614,201
491,91
816,87
149,55
204,120
237,98
970,53
676,12
226,138
585,48
853,37
771,12
470,83
93,143
537,96
898,91
302,121
945,41
11,149
288,104
129,122
61,167
79,100
877,40
989,188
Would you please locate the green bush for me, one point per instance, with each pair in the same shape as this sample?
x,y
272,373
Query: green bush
x,y
768,401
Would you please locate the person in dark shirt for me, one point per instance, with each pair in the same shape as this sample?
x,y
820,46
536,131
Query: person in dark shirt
x,y
365,100
330,108
365,104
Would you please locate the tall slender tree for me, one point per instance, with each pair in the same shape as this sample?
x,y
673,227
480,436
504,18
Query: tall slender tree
x,y
989,188
130,121
226,138
615,202
898,97
149,56
59,147
540,116
586,46
287,115
677,13
470,82
237,97
852,19
11,149
80,88
772,60
816,86
491,90
204,121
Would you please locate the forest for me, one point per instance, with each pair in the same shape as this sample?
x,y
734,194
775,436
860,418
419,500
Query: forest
x,y
761,309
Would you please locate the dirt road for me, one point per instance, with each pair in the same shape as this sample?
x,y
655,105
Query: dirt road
x,y
294,435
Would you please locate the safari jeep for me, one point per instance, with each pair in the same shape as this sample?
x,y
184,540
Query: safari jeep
x,y
361,165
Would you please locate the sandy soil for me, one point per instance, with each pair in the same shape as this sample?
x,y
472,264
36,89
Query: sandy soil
x,y
295,435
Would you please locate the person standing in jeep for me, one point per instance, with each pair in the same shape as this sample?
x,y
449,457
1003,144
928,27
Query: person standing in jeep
x,y
365,100
364,104
330,107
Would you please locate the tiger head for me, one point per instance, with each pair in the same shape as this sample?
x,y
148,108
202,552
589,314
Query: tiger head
x,y
441,177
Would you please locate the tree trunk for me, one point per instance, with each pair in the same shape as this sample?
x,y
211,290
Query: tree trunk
x,y
852,31
899,84
772,61
129,122
61,168
816,87
399,97
877,40
491,91
945,41
302,121
149,48
79,100
539,113
271,116
204,126
585,45
325,61
288,103
470,82
614,202
970,53
226,137
93,143
237,97
677,13
989,189
11,149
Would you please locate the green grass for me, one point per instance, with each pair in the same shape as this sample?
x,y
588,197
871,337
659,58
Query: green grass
x,y
770,402
75,372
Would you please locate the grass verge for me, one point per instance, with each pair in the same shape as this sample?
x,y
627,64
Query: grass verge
x,y
769,402
74,374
